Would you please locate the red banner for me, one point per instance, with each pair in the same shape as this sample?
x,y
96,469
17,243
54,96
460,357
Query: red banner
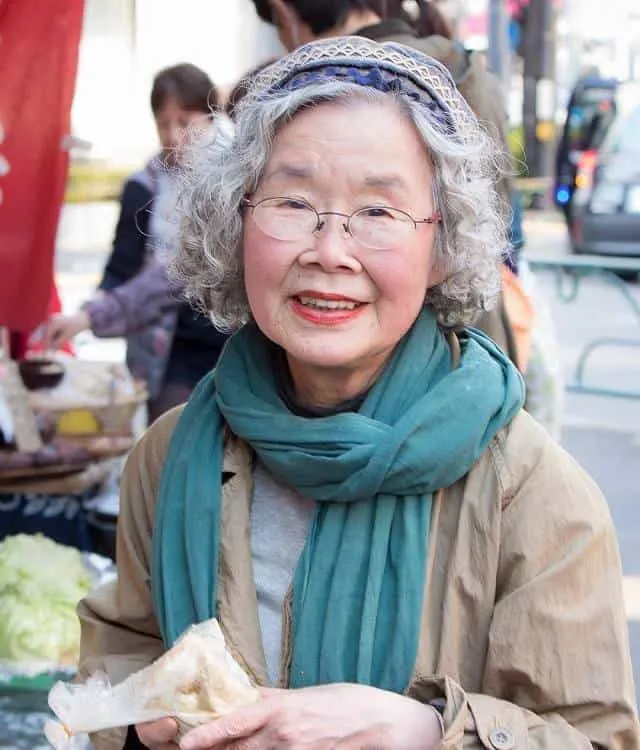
x,y
38,63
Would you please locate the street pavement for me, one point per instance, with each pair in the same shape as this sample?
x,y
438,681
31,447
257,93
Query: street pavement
x,y
603,434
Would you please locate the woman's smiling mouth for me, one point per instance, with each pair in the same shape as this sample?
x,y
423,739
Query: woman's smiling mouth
x,y
325,309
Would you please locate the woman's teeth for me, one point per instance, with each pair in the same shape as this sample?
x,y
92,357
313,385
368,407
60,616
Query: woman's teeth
x,y
327,304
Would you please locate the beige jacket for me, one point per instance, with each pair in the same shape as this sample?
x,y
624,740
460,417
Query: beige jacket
x,y
523,626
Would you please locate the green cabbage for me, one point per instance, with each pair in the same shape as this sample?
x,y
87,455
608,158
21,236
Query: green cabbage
x,y
41,583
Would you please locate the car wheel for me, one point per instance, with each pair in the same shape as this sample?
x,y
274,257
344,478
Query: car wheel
x,y
573,242
629,276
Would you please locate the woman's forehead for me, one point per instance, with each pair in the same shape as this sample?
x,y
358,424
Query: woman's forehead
x,y
353,123
377,140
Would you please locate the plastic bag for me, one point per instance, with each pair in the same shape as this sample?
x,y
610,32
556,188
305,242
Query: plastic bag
x,y
197,681
544,377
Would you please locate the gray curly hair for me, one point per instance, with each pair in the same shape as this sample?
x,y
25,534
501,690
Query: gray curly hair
x,y
223,168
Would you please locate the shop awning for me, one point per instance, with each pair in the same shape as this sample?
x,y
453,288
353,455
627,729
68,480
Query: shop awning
x,y
38,63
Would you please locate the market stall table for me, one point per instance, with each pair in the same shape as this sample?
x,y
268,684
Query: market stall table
x,y
62,508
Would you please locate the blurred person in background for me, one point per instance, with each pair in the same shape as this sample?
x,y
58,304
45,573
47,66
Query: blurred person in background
x,y
241,89
424,16
170,346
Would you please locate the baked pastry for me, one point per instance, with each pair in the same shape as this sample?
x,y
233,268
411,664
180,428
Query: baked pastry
x,y
196,681
198,676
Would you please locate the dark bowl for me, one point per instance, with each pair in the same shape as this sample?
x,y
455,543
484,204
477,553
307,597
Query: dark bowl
x,y
40,373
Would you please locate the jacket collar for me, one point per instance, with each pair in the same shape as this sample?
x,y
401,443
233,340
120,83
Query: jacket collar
x,y
237,456
380,32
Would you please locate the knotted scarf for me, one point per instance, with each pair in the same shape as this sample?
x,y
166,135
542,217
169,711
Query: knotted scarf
x,y
359,584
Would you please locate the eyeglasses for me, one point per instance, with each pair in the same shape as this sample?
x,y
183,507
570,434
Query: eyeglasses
x,y
379,227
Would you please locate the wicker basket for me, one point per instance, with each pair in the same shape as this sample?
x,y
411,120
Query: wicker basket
x,y
112,419
117,419
112,415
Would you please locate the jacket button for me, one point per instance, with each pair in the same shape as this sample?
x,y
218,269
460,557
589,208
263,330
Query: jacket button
x,y
502,739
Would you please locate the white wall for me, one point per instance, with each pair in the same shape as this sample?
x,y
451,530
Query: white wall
x,y
125,43
602,39
105,93
224,37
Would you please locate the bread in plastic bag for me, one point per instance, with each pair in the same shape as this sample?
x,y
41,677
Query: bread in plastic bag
x,y
196,681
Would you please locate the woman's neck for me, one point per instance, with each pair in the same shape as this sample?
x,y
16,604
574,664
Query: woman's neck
x,y
355,21
326,388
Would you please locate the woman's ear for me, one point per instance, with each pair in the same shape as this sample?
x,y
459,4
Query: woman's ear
x,y
287,23
438,273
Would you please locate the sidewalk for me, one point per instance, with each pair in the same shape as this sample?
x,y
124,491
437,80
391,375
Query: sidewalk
x,y
545,232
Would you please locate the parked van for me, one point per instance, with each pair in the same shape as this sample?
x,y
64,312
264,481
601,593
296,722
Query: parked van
x,y
590,112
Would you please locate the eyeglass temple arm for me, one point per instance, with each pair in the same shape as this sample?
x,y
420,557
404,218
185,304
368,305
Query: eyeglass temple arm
x,y
435,218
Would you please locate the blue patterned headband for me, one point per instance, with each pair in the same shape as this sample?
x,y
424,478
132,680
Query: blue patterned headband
x,y
389,67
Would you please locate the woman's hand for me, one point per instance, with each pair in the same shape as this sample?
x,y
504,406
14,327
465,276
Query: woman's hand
x,y
61,328
337,716
159,735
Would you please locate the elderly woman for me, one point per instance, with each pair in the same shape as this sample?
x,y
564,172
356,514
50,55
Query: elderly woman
x,y
396,553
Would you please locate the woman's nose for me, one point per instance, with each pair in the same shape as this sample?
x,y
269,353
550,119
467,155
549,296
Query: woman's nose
x,y
331,247
176,135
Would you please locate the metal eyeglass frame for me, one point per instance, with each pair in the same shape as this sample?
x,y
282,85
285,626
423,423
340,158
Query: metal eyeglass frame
x,y
435,218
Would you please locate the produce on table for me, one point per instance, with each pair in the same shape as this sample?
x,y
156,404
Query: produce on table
x,y
41,583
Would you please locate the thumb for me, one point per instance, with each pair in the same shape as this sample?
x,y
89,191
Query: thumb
x,y
268,692
53,335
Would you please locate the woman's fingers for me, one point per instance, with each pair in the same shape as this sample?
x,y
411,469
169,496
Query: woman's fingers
x,y
269,692
56,332
158,734
44,335
225,731
61,328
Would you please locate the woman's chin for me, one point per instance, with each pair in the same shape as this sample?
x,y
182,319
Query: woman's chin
x,y
347,359
324,357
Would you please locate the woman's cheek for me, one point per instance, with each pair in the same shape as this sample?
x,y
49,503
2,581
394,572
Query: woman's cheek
x,y
265,272
266,257
398,281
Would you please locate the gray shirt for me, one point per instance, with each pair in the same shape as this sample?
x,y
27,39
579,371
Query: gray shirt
x,y
280,520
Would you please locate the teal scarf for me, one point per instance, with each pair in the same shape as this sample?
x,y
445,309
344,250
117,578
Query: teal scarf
x,y
359,584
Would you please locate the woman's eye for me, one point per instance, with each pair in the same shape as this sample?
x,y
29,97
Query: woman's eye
x,y
376,212
292,203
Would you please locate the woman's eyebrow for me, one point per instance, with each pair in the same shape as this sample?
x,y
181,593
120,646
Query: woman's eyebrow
x,y
390,182
296,171
385,182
